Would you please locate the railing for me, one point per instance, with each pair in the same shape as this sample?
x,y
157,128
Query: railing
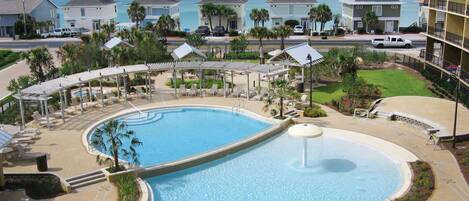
x,y
466,43
434,31
456,7
438,4
454,38
467,10
440,62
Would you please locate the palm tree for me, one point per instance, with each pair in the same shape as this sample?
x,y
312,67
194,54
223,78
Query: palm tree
x,y
209,10
136,13
165,24
109,139
264,16
221,11
370,19
261,33
282,32
108,29
281,91
40,63
313,16
255,16
324,15
230,15
68,55
336,21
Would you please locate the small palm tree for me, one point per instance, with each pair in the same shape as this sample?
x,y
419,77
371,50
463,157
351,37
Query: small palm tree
x,y
40,63
109,139
165,24
136,13
255,16
313,16
264,16
261,33
230,15
370,19
209,10
282,32
108,29
324,15
68,55
336,20
281,91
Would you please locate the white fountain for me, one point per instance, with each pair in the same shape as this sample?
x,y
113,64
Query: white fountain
x,y
305,131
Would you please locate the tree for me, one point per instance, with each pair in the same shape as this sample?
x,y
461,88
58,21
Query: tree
x,y
165,24
136,13
209,10
40,63
239,44
324,15
108,29
261,33
291,23
282,32
346,61
336,20
109,139
281,91
221,11
68,55
263,16
313,16
370,19
30,25
21,82
255,16
149,48
194,39
230,15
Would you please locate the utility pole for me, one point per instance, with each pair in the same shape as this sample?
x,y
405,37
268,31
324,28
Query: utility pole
x,y
310,58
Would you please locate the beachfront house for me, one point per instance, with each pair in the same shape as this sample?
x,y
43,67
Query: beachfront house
x,y
157,8
89,14
387,11
40,10
237,23
283,10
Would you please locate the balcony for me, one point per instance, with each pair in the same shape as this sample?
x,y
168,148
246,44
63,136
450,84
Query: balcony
x,y
438,4
456,7
466,43
434,31
454,38
467,10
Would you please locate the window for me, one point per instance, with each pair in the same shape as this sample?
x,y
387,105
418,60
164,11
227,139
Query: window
x,y
72,24
115,9
290,9
393,39
82,12
395,7
360,24
378,10
400,40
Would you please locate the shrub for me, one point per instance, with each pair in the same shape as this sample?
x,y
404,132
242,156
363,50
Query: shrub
x,y
423,182
37,186
181,34
314,112
361,31
127,188
242,55
315,33
8,57
378,31
239,44
233,33
206,84
292,23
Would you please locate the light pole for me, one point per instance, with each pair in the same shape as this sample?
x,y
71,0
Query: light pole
x,y
310,80
458,87
24,18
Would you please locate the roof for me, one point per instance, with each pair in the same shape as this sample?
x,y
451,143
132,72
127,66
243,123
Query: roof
x,y
12,7
223,1
5,138
185,50
89,2
158,2
371,2
291,1
297,55
52,86
115,41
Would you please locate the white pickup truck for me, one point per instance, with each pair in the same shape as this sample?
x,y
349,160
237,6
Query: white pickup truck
x,y
391,41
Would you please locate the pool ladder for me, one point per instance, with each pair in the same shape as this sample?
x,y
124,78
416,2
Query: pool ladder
x,y
237,106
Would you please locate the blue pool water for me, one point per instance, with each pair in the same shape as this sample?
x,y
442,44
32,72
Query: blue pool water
x,y
271,171
174,134
189,16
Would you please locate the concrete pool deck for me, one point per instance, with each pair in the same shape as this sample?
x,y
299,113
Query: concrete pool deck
x,y
68,156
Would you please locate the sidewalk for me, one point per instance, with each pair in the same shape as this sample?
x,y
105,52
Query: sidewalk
x,y
9,73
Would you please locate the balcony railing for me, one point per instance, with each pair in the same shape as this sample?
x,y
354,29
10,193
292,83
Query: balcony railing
x,y
441,63
454,38
466,43
438,4
434,31
456,7
467,10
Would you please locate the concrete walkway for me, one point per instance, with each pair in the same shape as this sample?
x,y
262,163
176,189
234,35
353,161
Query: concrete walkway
x,y
9,73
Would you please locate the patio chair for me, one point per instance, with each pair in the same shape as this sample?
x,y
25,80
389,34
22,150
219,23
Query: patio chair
x,y
236,92
214,90
182,90
42,121
140,93
55,113
193,91
113,98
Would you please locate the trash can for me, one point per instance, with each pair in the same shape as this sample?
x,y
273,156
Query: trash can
x,y
300,87
41,162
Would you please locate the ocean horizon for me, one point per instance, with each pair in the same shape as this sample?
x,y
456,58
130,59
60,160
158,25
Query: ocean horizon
x,y
189,14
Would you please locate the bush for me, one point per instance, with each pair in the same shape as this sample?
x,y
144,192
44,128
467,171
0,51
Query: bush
x,y
37,186
181,34
423,182
233,33
239,44
315,33
411,29
242,55
30,36
378,31
314,111
206,84
8,57
127,188
361,31
292,23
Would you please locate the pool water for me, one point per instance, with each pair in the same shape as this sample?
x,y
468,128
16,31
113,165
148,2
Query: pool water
x,y
180,132
338,170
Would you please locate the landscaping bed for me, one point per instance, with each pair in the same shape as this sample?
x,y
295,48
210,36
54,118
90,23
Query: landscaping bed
x,y
423,182
37,186
127,188
462,156
8,57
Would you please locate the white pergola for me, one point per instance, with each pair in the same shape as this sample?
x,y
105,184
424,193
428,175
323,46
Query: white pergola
x,y
5,139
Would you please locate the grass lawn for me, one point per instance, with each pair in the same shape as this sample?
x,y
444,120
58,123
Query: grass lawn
x,y
391,82
8,57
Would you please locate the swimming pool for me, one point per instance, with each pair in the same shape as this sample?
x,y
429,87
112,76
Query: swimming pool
x,y
175,133
341,169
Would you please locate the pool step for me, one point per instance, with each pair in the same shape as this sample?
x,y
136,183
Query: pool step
x,y
142,121
86,179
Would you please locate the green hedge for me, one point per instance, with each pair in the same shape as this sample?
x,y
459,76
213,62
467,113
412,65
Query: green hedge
x,y
423,182
242,55
37,186
7,57
127,188
313,112
206,84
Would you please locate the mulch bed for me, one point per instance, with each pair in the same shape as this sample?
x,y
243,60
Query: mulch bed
x,y
423,182
461,153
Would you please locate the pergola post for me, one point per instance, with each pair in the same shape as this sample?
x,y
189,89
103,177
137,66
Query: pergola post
x,y
65,97
149,84
90,95
42,107
232,81
248,92
101,88
125,87
81,99
20,100
303,74
200,81
118,88
175,83
62,105
259,83
224,83
47,111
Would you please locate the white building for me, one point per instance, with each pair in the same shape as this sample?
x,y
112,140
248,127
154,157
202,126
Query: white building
x,y
233,24
89,14
157,8
283,10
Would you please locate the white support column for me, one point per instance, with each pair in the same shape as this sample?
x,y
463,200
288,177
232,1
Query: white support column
x,y
224,83
118,88
81,99
175,83
42,107
259,83
62,105
248,92
149,84
90,95
200,81
47,111
125,88
303,74
20,100
65,97
232,81
101,89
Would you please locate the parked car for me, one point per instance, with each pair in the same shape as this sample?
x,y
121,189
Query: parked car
x,y
203,31
219,31
62,32
391,41
298,30
47,34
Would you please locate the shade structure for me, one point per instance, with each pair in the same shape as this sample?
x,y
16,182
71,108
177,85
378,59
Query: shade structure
x,y
5,138
305,131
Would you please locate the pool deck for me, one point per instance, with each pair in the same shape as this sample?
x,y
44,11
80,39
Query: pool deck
x,y
69,157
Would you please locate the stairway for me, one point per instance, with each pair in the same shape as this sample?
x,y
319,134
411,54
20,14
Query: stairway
x,y
292,114
86,179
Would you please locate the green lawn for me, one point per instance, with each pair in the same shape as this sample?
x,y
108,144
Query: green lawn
x,y
391,82
8,57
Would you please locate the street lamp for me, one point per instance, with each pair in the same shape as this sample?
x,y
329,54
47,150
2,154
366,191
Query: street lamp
x,y
458,87
310,80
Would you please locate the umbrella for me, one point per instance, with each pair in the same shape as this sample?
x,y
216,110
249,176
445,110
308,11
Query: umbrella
x,y
305,131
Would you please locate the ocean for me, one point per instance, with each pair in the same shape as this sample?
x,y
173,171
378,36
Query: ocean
x,y
189,16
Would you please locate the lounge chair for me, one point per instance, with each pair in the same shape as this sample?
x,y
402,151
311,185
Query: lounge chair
x,y
214,90
236,92
182,90
140,93
42,121
54,113
193,91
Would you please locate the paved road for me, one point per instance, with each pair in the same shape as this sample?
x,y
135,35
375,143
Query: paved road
x,y
58,43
